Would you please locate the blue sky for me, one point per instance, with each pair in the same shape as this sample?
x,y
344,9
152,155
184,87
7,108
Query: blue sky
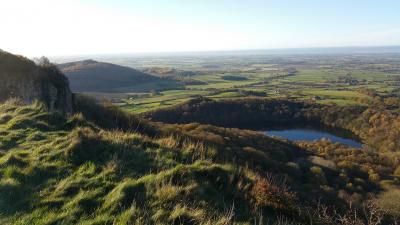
x,y
122,26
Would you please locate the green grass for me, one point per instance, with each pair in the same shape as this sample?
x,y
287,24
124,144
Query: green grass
x,y
339,102
103,166
305,84
57,170
336,94
166,98
229,94
314,77
339,97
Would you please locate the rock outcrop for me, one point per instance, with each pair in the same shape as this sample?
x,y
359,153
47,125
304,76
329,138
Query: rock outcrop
x,y
21,78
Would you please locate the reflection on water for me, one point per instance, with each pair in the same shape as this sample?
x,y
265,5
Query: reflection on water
x,y
296,134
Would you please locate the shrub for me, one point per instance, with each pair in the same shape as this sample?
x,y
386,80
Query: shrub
x,y
397,171
317,175
374,177
267,193
390,201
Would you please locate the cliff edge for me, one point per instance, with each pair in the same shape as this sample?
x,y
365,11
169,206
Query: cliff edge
x,y
23,79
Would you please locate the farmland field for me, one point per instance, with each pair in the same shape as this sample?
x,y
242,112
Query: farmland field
x,y
342,79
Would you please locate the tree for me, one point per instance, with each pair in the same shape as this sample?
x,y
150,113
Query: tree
x,y
42,61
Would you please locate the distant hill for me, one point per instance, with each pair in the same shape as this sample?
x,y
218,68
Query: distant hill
x,y
93,76
21,78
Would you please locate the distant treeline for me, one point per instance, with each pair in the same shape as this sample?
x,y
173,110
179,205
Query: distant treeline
x,y
234,78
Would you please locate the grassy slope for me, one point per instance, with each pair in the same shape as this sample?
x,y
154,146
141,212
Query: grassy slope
x,y
102,166
56,170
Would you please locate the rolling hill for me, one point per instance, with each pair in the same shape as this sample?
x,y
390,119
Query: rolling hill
x,y
93,76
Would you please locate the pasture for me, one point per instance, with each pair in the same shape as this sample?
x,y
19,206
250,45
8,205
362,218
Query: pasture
x,y
325,79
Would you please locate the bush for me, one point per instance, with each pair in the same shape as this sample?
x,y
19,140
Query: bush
x,y
397,171
390,201
317,175
268,194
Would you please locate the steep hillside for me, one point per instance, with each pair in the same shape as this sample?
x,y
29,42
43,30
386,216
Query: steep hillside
x,y
23,79
117,169
378,126
92,76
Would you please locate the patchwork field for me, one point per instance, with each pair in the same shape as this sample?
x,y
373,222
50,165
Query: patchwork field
x,y
327,79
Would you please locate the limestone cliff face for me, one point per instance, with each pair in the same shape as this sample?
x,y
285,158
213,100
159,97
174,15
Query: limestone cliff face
x,y
21,78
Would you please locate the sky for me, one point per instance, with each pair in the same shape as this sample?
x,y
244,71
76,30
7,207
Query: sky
x,y
75,27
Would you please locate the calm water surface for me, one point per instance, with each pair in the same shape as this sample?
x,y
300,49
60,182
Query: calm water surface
x,y
311,135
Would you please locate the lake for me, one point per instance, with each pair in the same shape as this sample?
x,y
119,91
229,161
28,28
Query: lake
x,y
297,134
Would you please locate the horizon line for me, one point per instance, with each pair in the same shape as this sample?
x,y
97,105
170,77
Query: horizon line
x,y
355,47
226,50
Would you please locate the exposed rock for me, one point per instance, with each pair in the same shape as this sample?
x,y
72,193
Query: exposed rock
x,y
23,79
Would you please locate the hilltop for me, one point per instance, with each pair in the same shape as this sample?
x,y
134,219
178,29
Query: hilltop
x,y
93,76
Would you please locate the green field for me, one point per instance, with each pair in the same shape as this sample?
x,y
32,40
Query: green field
x,y
326,79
